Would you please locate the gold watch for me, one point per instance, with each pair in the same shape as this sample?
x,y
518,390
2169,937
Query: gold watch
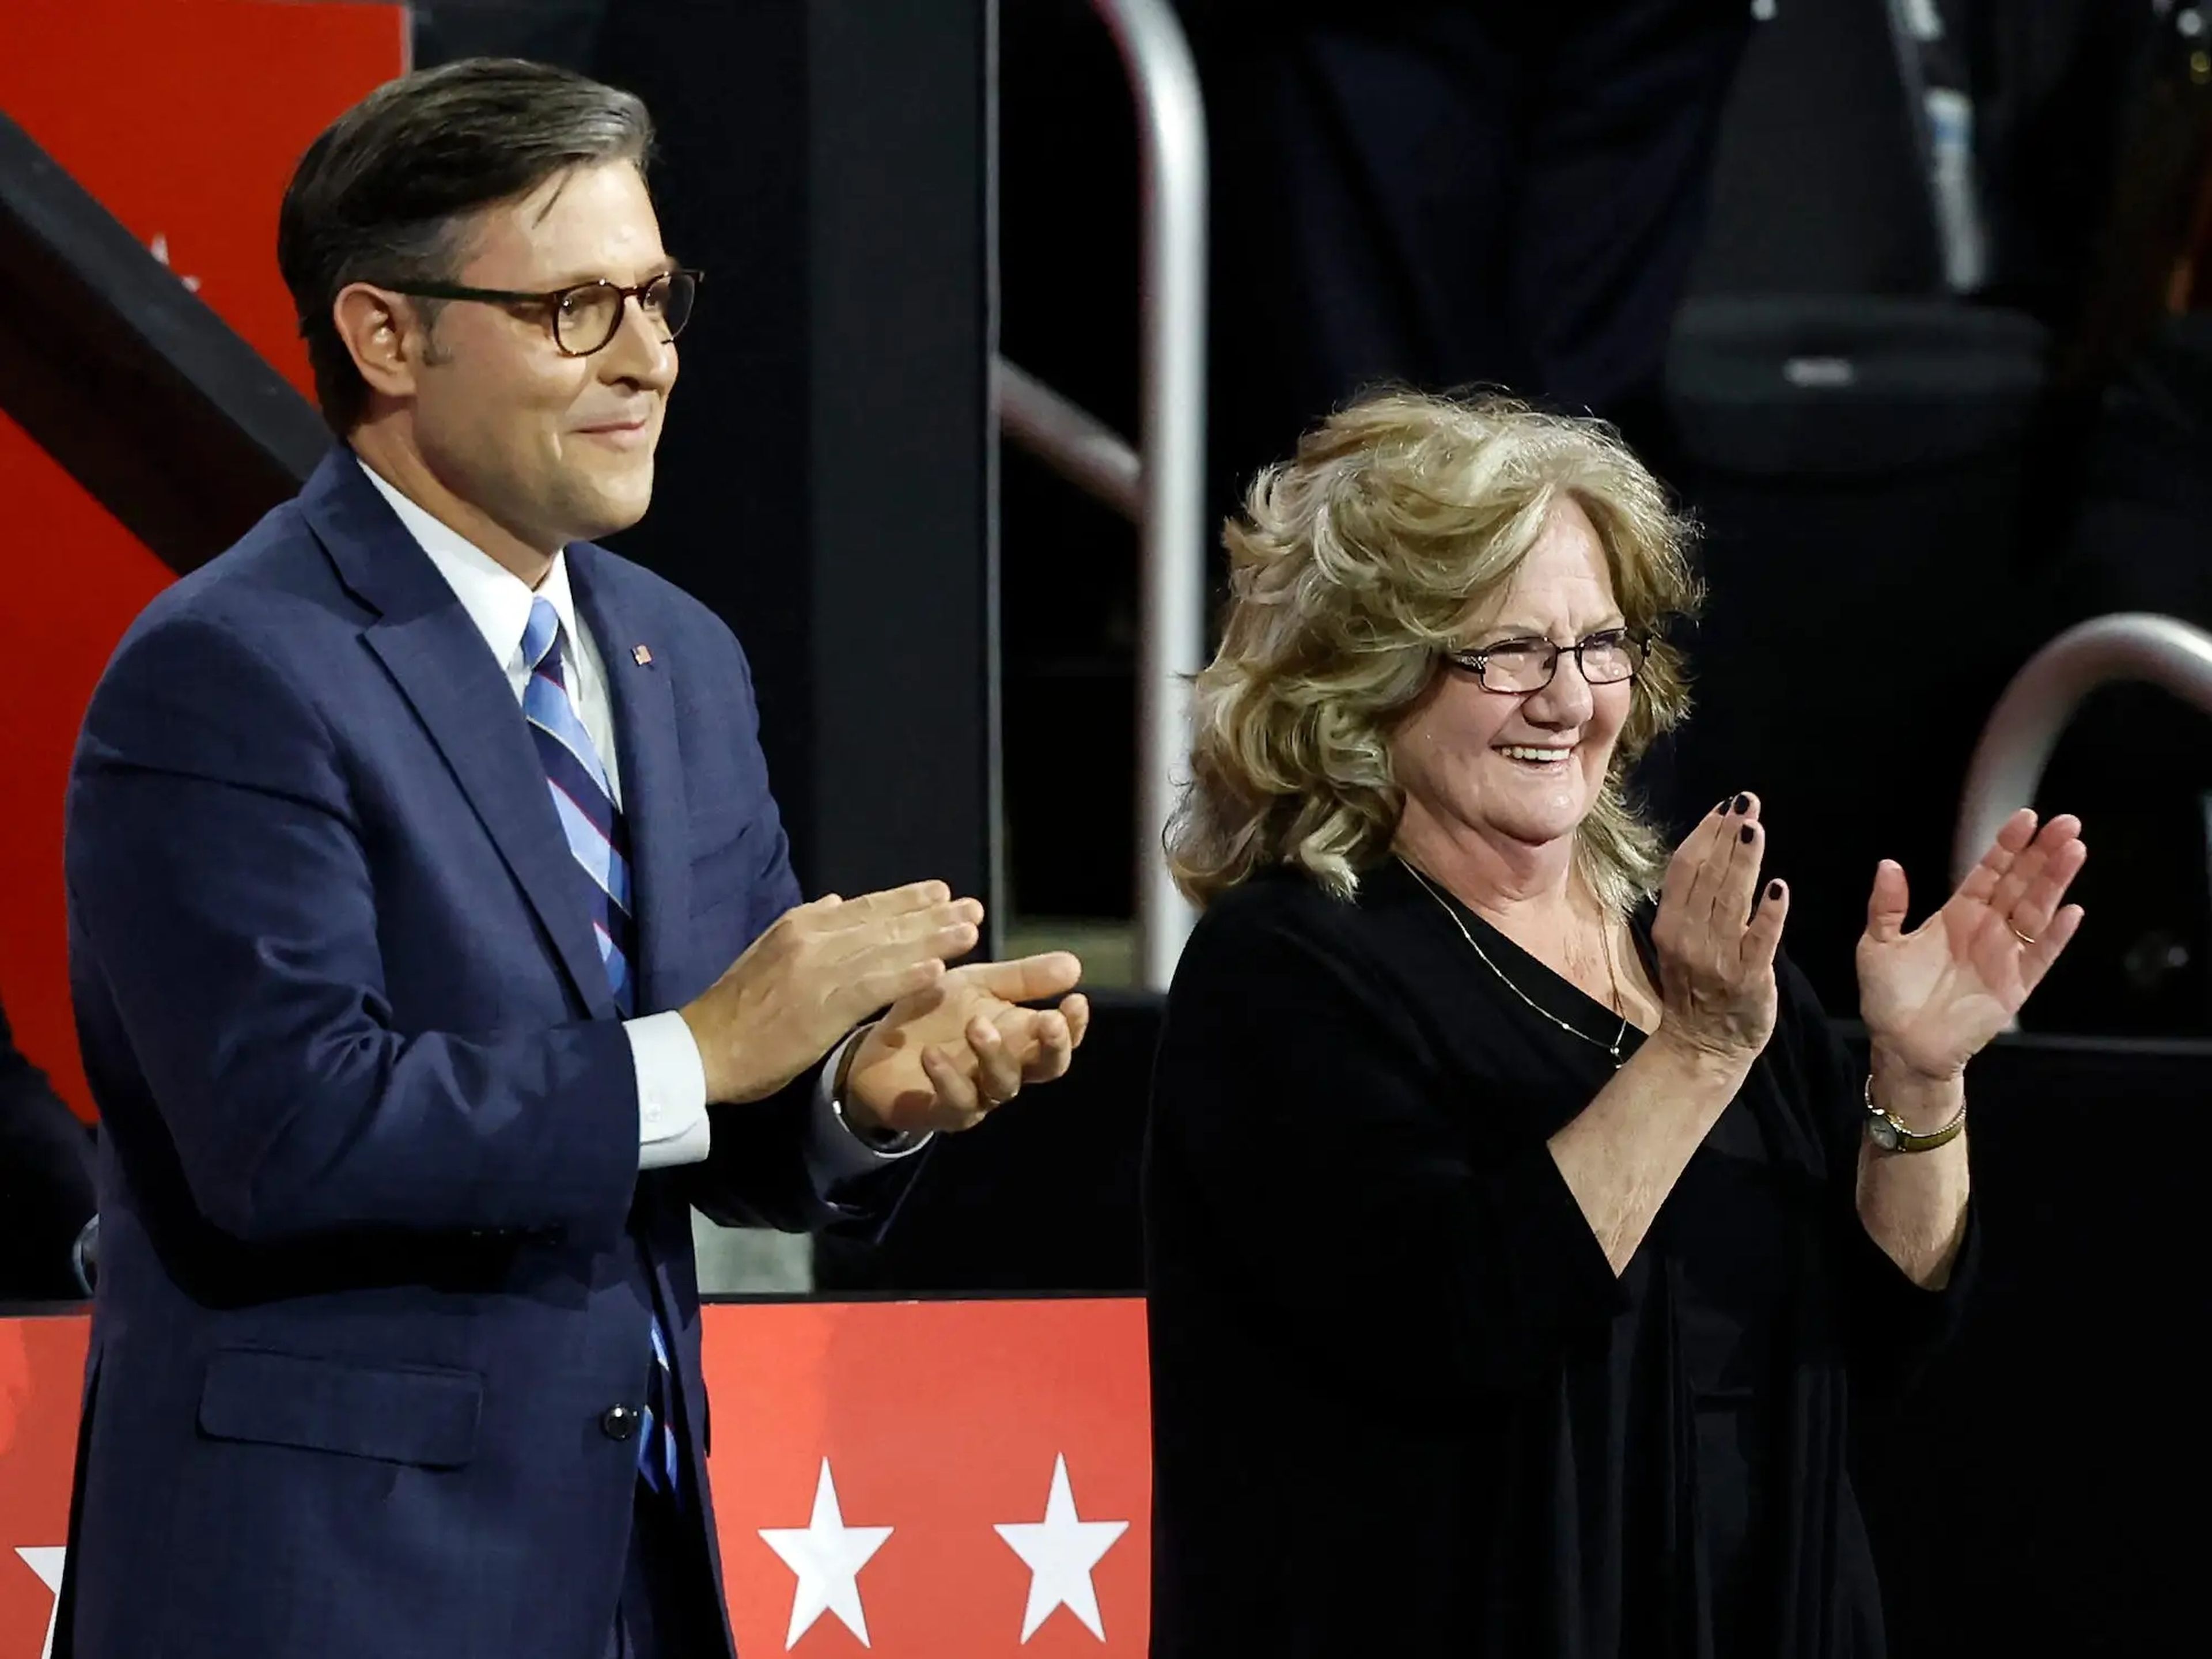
x,y
1888,1131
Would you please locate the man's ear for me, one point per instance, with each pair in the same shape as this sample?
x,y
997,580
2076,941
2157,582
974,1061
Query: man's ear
x,y
387,335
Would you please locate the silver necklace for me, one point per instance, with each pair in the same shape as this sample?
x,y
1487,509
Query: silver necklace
x,y
1612,979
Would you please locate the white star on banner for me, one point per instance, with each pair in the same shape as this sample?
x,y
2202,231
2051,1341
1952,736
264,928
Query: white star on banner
x,y
1060,1551
47,1563
828,1556
159,249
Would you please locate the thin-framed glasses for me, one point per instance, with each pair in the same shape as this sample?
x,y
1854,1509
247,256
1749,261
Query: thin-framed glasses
x,y
1519,666
586,317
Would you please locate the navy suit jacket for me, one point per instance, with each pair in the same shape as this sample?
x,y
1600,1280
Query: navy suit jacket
x,y
376,1256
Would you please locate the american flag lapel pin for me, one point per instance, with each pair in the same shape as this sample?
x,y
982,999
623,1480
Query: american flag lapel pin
x,y
641,656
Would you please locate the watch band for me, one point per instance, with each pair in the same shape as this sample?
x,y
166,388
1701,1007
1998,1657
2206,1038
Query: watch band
x,y
1888,1131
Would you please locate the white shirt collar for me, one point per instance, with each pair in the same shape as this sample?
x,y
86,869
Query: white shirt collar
x,y
496,599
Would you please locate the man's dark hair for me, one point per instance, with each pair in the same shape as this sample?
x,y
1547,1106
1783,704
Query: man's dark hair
x,y
384,193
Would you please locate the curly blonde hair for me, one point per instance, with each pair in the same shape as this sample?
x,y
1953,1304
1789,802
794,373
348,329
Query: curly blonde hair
x,y
1351,568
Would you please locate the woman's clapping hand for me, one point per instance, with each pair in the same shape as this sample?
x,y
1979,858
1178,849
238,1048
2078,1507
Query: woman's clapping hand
x,y
1716,935
1933,997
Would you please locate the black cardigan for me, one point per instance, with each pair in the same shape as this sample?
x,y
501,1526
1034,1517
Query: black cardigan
x,y
1401,1405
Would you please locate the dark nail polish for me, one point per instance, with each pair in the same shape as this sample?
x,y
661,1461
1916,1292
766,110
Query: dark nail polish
x,y
1745,836
1743,803
1774,890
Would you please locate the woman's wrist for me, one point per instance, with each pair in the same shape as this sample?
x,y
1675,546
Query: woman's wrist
x,y
1923,1101
1700,1063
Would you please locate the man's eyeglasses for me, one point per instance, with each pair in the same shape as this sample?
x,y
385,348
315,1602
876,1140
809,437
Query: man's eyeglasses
x,y
1519,666
587,318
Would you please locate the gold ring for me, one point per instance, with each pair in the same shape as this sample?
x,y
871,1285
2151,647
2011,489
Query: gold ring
x,y
2021,936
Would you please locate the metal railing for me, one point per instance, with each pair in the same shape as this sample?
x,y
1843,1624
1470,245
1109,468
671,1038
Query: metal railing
x,y
1162,485
1075,443
2036,707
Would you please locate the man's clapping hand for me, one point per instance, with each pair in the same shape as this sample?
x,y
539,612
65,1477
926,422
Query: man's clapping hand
x,y
947,1056
953,1044
818,971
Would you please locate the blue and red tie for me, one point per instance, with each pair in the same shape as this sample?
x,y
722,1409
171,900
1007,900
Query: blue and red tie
x,y
593,824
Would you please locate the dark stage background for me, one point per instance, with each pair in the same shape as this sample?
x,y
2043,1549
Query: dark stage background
x,y
861,182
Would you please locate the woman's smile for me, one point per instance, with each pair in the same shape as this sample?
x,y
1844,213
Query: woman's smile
x,y
1545,758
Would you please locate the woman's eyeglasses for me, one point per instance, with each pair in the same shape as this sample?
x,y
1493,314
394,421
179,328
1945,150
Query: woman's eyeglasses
x,y
1519,666
587,318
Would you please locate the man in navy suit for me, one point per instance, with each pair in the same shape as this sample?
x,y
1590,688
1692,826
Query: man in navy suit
x,y
411,845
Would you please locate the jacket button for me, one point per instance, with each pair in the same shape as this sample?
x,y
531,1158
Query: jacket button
x,y
619,1422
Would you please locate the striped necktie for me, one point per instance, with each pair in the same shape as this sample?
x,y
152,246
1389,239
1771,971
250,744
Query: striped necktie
x,y
593,824
589,816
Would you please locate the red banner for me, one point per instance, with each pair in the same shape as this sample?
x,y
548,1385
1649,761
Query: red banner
x,y
916,1480
184,119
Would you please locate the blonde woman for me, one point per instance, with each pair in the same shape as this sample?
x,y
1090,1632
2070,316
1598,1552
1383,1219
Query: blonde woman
x,y
1519,1235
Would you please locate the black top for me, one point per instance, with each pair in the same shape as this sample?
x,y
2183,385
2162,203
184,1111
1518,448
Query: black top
x,y
1400,1403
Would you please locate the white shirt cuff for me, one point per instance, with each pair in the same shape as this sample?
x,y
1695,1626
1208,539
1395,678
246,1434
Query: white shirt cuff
x,y
834,1151
673,1126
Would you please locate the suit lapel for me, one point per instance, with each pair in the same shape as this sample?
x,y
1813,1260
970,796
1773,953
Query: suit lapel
x,y
654,803
438,660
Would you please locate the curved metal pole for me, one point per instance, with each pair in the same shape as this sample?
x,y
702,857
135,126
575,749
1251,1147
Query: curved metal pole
x,y
1171,643
1070,440
2026,725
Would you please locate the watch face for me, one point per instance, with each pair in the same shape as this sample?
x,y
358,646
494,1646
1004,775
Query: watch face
x,y
1883,1131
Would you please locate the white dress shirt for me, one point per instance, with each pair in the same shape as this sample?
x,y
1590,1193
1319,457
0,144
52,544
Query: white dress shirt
x,y
673,1126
